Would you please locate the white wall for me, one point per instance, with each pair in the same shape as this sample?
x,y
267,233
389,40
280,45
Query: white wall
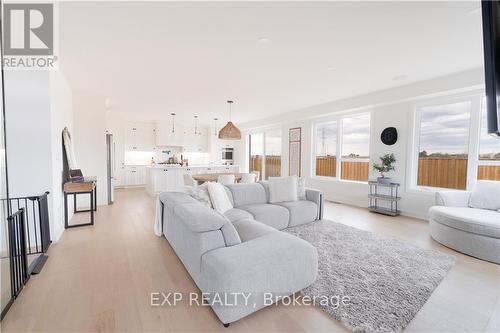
x,y
38,107
391,107
61,116
28,125
89,140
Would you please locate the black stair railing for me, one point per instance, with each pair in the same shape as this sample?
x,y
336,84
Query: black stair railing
x,y
17,252
36,219
28,232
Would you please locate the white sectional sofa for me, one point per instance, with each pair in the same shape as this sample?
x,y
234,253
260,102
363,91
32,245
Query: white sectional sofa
x,y
242,250
469,222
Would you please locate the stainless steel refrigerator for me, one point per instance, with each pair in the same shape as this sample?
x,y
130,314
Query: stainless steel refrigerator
x,y
110,149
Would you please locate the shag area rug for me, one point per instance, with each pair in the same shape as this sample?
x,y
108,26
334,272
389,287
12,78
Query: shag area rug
x,y
386,280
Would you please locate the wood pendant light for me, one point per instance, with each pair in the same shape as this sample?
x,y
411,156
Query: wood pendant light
x,y
230,131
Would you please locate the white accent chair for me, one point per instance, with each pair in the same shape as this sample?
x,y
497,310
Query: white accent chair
x,y
469,222
188,180
225,179
248,178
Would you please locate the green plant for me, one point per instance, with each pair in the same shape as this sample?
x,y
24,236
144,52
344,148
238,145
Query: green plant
x,y
386,165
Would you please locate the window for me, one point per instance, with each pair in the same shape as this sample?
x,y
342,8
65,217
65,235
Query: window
x,y
326,149
355,148
273,154
443,143
489,151
256,153
351,136
265,153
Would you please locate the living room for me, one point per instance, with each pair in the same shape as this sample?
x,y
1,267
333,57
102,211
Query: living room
x,y
251,166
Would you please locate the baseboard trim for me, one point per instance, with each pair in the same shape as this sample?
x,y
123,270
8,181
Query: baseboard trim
x,y
403,212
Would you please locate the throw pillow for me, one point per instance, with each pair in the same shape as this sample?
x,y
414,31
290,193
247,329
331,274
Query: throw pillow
x,y
200,193
486,195
219,198
301,188
282,189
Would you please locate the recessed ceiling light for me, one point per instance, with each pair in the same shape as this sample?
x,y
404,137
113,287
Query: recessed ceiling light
x,y
400,77
263,40
331,68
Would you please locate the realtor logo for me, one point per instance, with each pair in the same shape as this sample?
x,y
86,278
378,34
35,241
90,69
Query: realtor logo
x,y
28,29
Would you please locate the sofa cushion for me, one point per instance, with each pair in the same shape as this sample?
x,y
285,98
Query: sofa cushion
x,y
249,229
282,189
274,216
200,193
486,195
479,221
302,211
235,214
247,194
219,198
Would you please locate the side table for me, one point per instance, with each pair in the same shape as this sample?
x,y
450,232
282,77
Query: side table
x,y
88,186
384,192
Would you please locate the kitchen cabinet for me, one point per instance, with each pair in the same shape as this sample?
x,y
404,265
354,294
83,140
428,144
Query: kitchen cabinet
x,y
163,179
183,136
131,176
169,178
139,137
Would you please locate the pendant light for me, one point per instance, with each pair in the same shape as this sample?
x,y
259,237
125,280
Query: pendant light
x,y
196,125
173,122
230,131
215,126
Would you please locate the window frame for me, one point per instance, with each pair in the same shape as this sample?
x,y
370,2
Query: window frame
x,y
472,144
263,131
339,119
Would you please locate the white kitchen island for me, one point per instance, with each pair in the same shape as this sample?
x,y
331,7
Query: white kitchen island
x,y
167,177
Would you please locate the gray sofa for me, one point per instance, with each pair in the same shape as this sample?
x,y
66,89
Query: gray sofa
x,y
469,230
242,250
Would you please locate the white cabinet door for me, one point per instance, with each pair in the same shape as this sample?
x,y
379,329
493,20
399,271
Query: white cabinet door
x,y
139,136
130,137
158,182
131,178
140,175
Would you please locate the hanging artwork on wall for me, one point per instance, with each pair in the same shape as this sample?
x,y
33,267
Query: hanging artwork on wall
x,y
294,151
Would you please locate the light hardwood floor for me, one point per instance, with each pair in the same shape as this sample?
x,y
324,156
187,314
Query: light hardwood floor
x,y
100,278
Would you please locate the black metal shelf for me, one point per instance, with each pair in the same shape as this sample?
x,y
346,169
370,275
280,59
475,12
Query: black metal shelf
x,y
385,211
387,192
384,197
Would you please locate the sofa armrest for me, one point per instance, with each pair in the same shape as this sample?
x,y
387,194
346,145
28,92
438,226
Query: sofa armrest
x,y
452,198
316,196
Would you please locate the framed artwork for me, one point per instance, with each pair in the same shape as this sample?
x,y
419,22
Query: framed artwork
x,y
294,151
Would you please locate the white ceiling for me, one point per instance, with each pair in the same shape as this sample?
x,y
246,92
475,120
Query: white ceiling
x,y
155,58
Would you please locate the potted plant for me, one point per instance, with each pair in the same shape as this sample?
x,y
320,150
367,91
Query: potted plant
x,y
386,164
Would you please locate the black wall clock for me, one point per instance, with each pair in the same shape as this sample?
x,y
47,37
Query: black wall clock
x,y
389,136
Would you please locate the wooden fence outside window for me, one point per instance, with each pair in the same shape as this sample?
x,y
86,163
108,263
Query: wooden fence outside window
x,y
433,172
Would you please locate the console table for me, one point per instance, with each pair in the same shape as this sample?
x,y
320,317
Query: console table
x,y
88,186
384,192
